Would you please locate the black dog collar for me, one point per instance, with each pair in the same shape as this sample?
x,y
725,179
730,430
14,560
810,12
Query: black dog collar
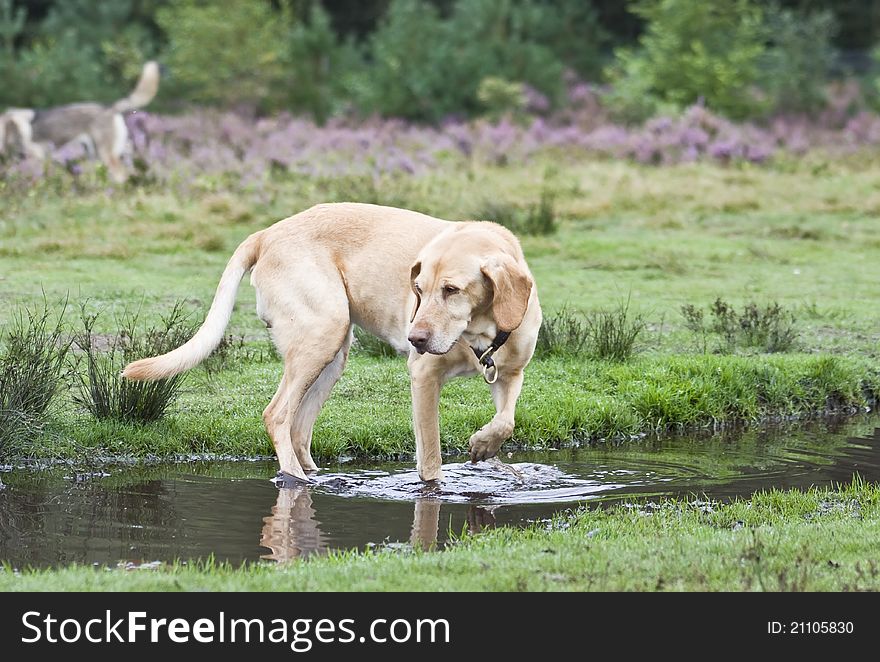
x,y
490,370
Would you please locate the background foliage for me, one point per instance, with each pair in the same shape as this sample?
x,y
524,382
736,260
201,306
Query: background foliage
x,y
429,60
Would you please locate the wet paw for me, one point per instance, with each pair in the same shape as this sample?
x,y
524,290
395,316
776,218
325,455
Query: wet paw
x,y
483,446
431,475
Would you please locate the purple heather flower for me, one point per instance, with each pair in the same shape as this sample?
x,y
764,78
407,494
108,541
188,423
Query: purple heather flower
x,y
536,102
178,150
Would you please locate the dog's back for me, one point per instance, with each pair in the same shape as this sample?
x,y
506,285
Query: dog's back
x,y
64,123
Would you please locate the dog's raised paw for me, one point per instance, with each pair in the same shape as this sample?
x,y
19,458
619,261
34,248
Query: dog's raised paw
x,y
480,452
483,445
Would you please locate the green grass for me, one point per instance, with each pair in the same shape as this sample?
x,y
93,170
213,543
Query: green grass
x,y
368,414
801,234
821,540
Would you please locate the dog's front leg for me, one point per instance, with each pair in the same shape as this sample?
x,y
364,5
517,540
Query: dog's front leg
x,y
486,441
426,381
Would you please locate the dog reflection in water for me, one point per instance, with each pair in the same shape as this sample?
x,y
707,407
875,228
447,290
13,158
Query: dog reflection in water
x,y
426,522
292,531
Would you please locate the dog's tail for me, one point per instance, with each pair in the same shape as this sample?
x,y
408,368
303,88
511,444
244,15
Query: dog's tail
x,y
144,91
209,335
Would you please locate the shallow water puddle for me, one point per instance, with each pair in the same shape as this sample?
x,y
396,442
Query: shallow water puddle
x,y
139,515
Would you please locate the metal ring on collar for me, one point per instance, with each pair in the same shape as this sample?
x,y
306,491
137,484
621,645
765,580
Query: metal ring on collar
x,y
490,370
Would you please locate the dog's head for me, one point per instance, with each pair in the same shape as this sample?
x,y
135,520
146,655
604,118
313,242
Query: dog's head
x,y
467,279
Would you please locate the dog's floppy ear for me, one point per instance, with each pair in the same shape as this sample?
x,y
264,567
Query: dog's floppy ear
x,y
512,286
413,274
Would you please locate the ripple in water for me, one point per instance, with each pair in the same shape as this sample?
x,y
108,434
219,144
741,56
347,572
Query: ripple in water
x,y
464,482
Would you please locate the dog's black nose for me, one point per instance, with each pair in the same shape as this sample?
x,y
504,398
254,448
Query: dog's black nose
x,y
419,339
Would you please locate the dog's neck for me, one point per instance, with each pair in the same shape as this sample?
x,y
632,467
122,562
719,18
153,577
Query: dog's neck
x,y
480,334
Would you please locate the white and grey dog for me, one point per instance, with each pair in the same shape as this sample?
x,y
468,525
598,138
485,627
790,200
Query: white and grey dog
x,y
101,129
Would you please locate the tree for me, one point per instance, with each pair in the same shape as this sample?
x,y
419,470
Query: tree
x,y
708,50
318,65
226,53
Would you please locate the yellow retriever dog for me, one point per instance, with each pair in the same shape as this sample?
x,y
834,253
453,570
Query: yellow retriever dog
x,y
458,297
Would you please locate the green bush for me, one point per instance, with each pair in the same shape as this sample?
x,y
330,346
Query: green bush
x,y
424,66
61,70
502,38
708,50
12,22
572,30
226,53
502,98
609,334
317,65
564,333
798,61
121,31
406,73
537,218
80,50
429,59
613,333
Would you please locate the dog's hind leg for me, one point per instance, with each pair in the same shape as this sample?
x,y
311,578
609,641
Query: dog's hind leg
x,y
88,145
279,434
303,367
110,136
304,420
311,329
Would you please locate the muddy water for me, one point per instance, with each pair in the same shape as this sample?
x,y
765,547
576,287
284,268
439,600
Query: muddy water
x,y
233,512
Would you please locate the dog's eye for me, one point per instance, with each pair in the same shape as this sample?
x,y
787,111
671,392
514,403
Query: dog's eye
x,y
418,289
450,289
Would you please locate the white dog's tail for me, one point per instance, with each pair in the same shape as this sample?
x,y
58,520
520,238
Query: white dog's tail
x,y
143,93
209,335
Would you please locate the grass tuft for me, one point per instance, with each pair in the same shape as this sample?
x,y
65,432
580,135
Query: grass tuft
x,y
32,359
564,333
770,328
605,334
102,390
613,333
